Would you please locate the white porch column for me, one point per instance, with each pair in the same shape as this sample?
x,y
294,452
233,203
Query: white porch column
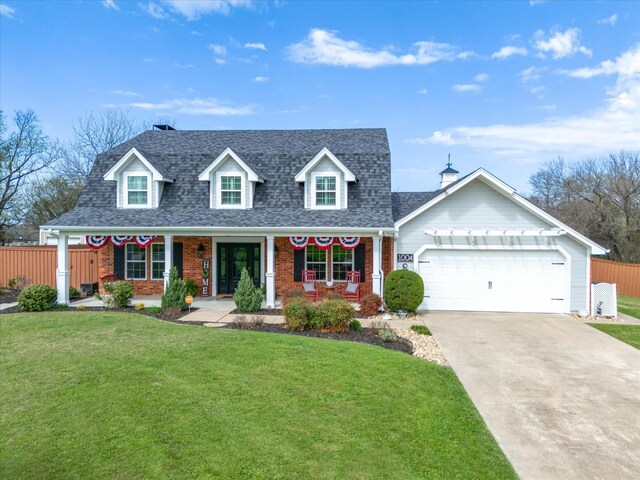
x,y
270,274
168,259
375,271
62,272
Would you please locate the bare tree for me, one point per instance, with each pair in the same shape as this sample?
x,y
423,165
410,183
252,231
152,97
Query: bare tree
x,y
23,153
599,197
96,133
50,198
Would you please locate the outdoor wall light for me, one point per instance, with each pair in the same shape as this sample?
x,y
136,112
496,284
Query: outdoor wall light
x,y
200,251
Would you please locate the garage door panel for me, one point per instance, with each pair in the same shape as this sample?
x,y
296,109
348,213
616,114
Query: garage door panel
x,y
527,281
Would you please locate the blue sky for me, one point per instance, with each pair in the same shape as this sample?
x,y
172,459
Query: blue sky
x,y
500,85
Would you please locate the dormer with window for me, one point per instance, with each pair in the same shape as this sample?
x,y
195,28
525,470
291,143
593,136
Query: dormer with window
x,y
326,182
232,181
140,180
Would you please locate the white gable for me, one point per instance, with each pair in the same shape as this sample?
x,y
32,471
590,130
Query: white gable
x,y
322,155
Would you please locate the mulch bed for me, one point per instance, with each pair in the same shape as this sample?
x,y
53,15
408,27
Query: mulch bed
x,y
8,295
363,336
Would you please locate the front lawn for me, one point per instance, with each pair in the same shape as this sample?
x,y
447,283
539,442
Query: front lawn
x,y
629,305
114,395
627,333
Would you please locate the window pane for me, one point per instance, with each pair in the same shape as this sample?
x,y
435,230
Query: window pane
x,y
136,261
325,198
325,183
157,271
342,262
157,261
134,252
231,183
137,198
231,198
316,259
137,182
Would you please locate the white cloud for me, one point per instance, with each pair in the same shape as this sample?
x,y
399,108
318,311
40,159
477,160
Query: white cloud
x,y
612,127
261,79
196,106
466,88
538,89
155,10
110,4
627,65
481,77
255,46
220,61
196,33
126,93
6,10
149,60
423,91
548,107
561,44
194,9
184,66
536,2
531,74
325,48
509,50
217,49
609,20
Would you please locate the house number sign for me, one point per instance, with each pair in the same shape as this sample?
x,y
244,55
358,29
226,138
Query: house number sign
x,y
405,258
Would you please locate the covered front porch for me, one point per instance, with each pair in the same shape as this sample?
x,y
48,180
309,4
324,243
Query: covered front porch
x,y
215,261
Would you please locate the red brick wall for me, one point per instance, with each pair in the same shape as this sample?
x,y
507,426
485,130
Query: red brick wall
x,y
191,265
284,269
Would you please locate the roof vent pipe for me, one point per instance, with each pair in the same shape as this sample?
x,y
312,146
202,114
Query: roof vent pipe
x,y
448,175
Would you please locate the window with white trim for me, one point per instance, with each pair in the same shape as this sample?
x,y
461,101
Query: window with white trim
x,y
231,190
135,262
157,261
137,190
316,259
341,263
326,191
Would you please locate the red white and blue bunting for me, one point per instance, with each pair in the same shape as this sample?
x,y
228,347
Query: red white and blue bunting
x,y
144,240
121,240
97,241
324,243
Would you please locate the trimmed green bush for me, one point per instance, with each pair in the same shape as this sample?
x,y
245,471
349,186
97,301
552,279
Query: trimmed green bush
x,y
37,298
291,293
333,314
74,292
297,312
355,326
174,296
247,297
403,290
122,294
190,287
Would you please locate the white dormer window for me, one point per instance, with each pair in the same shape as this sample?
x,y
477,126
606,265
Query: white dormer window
x,y
326,182
138,195
326,192
231,190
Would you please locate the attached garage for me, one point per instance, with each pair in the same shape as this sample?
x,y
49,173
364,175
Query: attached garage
x,y
494,280
479,246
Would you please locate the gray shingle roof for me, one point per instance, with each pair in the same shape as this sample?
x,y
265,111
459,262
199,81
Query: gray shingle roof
x,y
276,155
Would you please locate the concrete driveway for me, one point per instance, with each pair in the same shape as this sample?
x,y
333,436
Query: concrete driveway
x,y
561,398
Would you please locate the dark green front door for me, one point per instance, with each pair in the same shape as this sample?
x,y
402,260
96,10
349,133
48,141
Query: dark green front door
x,y
232,258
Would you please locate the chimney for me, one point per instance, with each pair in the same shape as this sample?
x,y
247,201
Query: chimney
x,y
163,127
448,175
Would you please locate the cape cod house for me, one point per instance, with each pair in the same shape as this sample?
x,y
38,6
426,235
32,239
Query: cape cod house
x,y
278,202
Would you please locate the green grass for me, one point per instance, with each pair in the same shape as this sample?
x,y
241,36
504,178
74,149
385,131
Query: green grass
x,y
120,396
421,329
629,305
627,333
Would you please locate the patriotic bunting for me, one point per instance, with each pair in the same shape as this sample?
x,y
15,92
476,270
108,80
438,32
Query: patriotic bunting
x,y
299,242
349,243
97,241
120,240
323,243
144,240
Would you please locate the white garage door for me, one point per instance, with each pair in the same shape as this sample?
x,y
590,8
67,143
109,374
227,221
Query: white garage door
x,y
494,281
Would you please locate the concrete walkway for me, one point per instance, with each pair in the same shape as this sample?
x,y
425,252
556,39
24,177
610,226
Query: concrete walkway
x,y
561,398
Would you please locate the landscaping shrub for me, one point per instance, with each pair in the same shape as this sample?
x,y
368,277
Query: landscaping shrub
x,y
81,307
190,287
370,305
387,335
376,326
174,296
333,296
173,312
154,310
122,294
247,297
333,314
18,283
355,326
296,313
139,306
403,290
74,293
37,298
291,293
421,329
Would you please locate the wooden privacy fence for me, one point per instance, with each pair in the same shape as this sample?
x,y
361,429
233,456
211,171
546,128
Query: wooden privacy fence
x,y
39,264
626,276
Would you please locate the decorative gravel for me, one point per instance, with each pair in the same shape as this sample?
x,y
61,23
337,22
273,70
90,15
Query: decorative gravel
x,y
424,346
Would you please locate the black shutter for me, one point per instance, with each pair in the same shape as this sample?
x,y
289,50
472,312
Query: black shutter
x,y
359,261
118,262
298,264
177,257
